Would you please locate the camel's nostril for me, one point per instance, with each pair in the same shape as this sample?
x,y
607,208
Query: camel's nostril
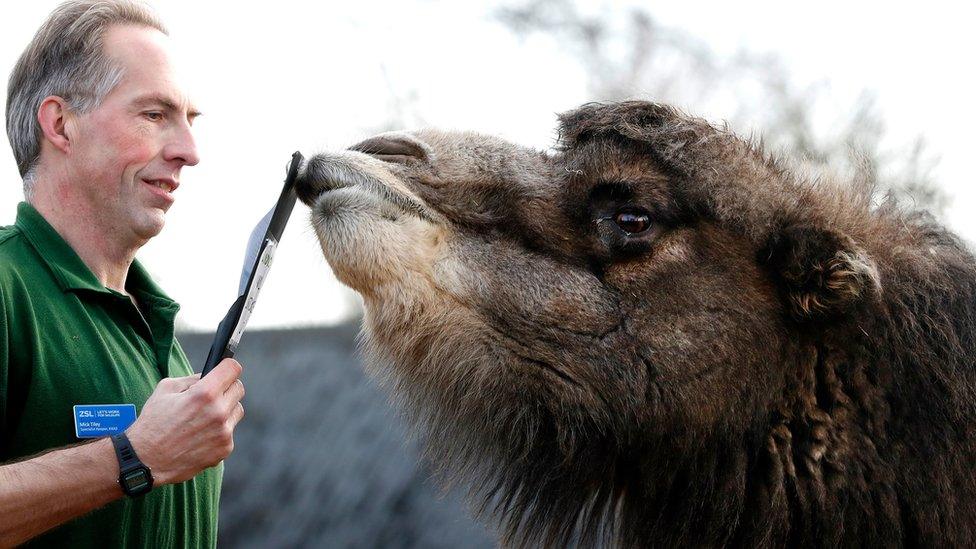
x,y
312,180
392,148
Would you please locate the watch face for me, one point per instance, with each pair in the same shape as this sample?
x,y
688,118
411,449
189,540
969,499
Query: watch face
x,y
135,481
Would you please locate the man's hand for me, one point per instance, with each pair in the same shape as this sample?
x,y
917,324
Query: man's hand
x,y
187,425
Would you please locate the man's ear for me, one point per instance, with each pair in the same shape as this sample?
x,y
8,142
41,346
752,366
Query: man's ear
x,y
52,116
821,272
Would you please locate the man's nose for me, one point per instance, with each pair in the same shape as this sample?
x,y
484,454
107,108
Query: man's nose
x,y
182,147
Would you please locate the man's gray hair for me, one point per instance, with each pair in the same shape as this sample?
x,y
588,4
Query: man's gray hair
x,y
65,59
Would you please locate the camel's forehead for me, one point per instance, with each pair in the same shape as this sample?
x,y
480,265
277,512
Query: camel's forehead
x,y
467,159
484,153
452,140
479,151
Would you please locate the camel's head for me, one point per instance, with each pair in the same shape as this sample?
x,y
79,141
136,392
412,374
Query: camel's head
x,y
551,317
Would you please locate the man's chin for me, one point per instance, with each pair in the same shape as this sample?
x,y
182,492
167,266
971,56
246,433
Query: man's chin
x,y
150,225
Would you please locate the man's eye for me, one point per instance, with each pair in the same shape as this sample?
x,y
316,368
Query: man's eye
x,y
632,223
153,115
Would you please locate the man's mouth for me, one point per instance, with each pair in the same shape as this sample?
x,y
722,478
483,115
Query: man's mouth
x,y
166,185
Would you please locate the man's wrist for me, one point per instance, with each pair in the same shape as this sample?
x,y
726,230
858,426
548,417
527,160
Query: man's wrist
x,y
146,450
98,458
103,453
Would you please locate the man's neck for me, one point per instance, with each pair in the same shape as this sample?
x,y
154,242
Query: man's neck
x,y
99,246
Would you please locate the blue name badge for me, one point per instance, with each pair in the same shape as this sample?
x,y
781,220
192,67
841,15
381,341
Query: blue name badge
x,y
101,420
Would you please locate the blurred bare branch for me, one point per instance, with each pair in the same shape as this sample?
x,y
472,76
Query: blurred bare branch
x,y
627,54
402,108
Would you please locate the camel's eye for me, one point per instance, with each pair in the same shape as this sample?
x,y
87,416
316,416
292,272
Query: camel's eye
x,y
632,223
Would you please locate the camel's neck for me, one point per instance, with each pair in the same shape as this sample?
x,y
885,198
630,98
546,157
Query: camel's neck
x,y
815,462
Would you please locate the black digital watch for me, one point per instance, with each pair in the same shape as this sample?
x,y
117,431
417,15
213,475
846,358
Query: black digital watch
x,y
134,477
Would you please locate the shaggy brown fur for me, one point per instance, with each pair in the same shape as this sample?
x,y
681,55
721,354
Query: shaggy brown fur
x,y
761,361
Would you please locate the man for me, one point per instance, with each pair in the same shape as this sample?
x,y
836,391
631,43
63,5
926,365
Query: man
x,y
101,128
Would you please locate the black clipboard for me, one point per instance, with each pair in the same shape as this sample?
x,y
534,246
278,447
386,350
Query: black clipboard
x,y
231,328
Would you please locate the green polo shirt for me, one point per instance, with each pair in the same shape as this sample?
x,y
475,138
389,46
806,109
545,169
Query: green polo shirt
x,y
65,339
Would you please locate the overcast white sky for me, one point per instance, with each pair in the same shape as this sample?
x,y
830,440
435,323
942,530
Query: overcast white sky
x,y
275,77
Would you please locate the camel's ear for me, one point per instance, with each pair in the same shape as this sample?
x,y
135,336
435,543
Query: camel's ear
x,y
821,272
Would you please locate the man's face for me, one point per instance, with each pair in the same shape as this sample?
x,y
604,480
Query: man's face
x,y
127,153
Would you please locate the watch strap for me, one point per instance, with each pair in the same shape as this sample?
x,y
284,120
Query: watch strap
x,y
124,451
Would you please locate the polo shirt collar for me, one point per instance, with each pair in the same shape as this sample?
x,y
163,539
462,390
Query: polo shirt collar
x,y
139,282
70,271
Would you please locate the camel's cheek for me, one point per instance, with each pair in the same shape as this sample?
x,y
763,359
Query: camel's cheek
x,y
709,321
370,243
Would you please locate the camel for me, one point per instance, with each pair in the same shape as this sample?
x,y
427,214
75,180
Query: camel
x,y
659,334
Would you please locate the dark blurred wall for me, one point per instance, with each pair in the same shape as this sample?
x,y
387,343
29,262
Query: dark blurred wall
x,y
321,459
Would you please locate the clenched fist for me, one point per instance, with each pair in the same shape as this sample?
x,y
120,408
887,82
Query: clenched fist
x,y
187,425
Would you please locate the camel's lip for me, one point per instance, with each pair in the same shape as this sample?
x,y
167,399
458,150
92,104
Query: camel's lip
x,y
325,173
